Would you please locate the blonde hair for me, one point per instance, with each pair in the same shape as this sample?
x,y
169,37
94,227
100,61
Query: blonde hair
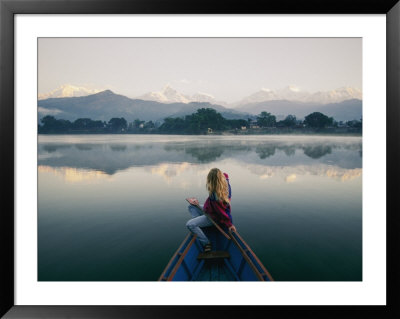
x,y
216,183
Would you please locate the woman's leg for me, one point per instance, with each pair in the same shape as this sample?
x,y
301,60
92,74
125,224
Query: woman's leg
x,y
195,211
194,225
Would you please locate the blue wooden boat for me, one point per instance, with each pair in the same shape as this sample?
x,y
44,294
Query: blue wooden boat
x,y
231,259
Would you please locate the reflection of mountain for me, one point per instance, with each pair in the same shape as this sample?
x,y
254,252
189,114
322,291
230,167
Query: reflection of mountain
x,y
169,171
110,157
73,175
289,174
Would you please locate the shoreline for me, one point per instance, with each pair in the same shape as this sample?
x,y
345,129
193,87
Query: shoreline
x,y
226,133
216,135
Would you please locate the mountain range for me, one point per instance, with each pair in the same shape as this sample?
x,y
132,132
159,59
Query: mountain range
x,y
343,104
170,95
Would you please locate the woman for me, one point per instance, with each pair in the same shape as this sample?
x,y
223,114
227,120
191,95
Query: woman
x,y
217,206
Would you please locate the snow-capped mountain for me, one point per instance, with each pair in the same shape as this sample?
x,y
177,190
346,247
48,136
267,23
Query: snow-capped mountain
x,y
68,90
293,93
290,93
170,95
202,97
167,95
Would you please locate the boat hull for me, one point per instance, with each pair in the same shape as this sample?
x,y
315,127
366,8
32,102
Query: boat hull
x,y
231,260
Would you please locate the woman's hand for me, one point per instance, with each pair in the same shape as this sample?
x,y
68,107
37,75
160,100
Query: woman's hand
x,y
193,201
232,229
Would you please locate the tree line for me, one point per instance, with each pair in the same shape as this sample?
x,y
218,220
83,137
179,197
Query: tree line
x,y
49,124
205,120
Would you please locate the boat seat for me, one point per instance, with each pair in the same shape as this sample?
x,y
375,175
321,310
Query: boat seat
x,y
216,254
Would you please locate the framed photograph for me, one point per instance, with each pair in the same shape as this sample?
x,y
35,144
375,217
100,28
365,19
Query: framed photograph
x,y
273,116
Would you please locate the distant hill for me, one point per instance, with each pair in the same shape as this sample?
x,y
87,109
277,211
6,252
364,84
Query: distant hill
x,y
343,111
105,105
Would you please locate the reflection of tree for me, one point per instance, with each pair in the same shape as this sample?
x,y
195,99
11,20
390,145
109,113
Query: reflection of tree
x,y
138,147
118,148
205,154
84,147
317,151
289,150
351,147
265,151
50,148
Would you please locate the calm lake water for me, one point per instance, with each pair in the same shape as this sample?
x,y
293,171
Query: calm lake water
x,y
112,207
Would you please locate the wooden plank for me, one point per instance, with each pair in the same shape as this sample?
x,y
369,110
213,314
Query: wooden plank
x,y
219,254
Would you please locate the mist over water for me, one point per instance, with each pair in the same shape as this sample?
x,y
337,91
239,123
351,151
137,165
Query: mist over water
x,y
112,207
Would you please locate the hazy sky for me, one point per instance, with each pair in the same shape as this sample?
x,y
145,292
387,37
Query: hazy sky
x,y
228,68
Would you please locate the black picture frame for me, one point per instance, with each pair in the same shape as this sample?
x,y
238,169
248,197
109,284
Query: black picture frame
x,y
8,8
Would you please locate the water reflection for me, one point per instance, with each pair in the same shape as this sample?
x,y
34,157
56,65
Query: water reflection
x,y
74,175
118,148
169,171
265,152
204,154
317,151
290,151
51,148
290,173
111,157
84,147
